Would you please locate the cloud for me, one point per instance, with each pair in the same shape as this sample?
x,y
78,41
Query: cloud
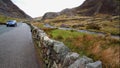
x,y
38,7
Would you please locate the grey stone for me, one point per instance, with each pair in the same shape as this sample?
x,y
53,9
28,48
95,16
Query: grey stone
x,y
47,41
70,58
46,38
86,59
59,47
48,51
39,45
81,62
41,31
42,35
61,50
97,64
54,65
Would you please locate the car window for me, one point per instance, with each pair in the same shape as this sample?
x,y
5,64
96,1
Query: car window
x,y
9,21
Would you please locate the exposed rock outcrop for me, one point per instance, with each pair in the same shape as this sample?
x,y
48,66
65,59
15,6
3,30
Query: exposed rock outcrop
x,y
93,7
50,15
68,12
90,8
7,8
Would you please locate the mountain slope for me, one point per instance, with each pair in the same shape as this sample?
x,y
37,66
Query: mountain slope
x,y
7,8
90,8
93,7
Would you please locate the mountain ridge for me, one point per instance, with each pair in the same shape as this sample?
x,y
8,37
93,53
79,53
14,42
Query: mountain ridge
x,y
89,8
93,7
8,8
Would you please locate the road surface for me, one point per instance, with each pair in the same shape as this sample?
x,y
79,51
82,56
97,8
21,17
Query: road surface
x,y
16,47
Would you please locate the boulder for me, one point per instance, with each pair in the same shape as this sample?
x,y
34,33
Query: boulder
x,y
61,50
70,58
59,47
81,62
97,64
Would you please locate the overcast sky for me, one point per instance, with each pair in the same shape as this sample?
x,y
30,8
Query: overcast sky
x,y
36,8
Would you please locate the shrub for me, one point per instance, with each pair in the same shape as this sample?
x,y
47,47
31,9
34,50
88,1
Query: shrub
x,y
59,37
93,26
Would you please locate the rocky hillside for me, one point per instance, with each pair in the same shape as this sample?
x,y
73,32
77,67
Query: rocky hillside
x,y
93,7
89,8
7,8
50,15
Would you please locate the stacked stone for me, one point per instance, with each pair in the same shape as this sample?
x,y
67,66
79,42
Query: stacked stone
x,y
57,55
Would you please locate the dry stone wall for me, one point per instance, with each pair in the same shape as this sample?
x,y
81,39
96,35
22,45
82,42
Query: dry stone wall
x,y
57,55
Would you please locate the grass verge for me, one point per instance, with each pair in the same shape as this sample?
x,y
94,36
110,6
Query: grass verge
x,y
4,19
96,47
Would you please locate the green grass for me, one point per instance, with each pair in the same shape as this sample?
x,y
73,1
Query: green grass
x,y
4,19
69,38
92,46
107,25
65,34
38,24
114,31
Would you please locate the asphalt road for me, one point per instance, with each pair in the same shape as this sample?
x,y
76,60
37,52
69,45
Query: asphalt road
x,y
16,47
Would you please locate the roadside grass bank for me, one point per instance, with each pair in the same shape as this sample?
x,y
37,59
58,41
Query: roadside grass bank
x,y
93,46
104,24
96,47
4,19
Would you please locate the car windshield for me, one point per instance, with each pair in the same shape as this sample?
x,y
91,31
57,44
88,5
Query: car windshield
x,y
9,21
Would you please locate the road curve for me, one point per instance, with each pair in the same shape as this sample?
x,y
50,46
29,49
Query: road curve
x,y
16,47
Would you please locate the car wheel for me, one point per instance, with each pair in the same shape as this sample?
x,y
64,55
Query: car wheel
x,y
16,25
7,25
